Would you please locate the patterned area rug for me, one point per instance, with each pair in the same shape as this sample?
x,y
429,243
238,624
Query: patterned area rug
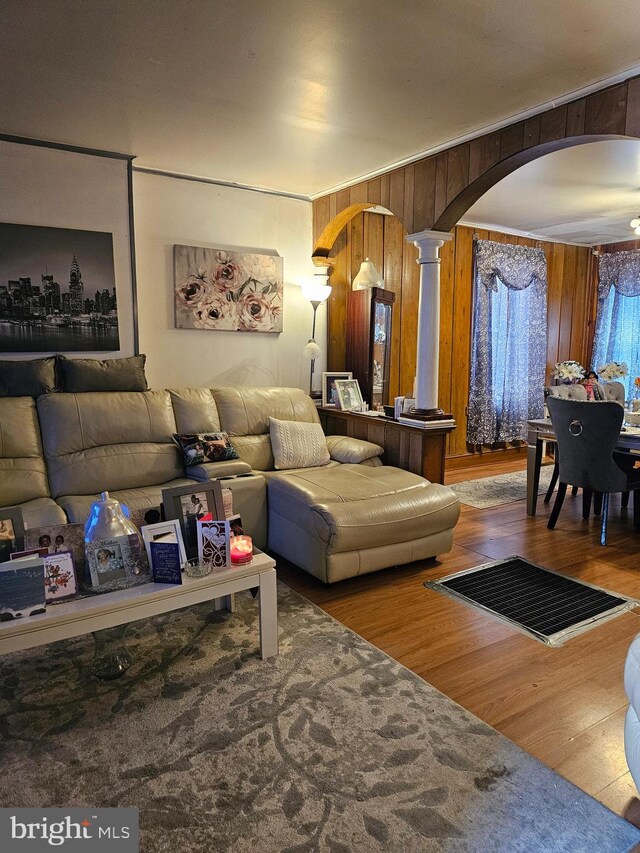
x,y
332,747
501,489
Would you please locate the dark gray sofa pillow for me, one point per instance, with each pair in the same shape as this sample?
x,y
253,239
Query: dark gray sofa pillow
x,y
28,378
112,374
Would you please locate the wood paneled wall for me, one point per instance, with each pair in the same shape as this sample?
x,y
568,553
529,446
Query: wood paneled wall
x,y
626,246
381,238
435,192
572,283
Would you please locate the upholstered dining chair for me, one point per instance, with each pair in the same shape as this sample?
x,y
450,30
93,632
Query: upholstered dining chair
x,y
564,392
613,391
587,433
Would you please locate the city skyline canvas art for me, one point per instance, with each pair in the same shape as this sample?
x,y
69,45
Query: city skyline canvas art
x,y
220,290
57,290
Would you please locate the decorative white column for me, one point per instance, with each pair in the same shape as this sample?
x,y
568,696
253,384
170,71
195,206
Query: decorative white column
x,y
427,356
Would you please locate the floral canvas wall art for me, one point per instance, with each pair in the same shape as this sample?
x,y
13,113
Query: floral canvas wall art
x,y
224,290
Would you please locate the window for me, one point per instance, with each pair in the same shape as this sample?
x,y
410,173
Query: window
x,y
617,335
509,343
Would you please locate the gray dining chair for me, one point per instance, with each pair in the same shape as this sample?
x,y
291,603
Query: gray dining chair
x,y
613,391
564,392
586,434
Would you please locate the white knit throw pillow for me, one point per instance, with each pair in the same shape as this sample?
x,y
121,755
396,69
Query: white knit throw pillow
x,y
297,445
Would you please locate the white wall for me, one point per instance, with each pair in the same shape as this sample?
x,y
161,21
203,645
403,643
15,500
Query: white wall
x,y
169,211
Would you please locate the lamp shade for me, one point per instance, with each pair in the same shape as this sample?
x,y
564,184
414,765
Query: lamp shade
x,y
312,350
368,276
318,289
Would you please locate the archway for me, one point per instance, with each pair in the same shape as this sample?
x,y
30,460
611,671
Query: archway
x,y
458,205
374,232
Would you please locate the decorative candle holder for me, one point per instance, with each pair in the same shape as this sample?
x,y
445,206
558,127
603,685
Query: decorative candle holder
x,y
196,569
241,548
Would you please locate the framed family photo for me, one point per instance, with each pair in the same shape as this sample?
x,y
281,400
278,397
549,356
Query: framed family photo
x,y
11,532
191,504
57,539
349,395
329,393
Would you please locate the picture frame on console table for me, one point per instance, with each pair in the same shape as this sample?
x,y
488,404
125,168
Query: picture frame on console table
x,y
193,503
329,394
349,395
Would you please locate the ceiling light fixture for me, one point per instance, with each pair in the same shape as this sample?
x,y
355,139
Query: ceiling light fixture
x,y
635,224
368,275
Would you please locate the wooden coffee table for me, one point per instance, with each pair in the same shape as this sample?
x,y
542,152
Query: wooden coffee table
x,y
99,613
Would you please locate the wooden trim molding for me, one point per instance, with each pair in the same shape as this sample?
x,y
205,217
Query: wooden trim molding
x,y
324,243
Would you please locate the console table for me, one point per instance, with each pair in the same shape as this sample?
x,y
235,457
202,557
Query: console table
x,y
421,451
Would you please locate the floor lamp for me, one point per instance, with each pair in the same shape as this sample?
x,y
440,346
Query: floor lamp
x,y
316,291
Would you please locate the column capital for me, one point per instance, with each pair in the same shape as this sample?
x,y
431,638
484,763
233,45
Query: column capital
x,y
429,243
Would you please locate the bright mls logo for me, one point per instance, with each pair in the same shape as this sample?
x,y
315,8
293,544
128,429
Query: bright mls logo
x,y
79,830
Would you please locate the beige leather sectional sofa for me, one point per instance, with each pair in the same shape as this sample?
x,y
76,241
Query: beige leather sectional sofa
x,y
352,516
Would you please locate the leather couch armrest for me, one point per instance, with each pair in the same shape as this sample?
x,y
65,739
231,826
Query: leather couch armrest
x,y
211,470
352,450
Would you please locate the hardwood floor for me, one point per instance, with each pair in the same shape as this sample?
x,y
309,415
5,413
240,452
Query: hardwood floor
x,y
565,706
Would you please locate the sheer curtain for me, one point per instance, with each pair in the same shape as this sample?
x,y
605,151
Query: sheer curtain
x,y
617,335
509,341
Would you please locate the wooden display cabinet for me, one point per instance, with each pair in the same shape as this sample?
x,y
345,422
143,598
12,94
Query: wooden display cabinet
x,y
368,351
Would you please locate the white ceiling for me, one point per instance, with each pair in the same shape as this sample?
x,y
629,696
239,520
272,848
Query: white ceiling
x,y
289,94
584,195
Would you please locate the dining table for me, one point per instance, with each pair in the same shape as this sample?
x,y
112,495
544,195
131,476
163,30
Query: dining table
x,y
541,431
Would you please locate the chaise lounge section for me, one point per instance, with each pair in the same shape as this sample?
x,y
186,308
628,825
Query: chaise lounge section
x,y
337,524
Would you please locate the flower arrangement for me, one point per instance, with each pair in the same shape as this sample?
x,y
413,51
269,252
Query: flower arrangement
x,y
636,382
568,371
612,370
216,289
